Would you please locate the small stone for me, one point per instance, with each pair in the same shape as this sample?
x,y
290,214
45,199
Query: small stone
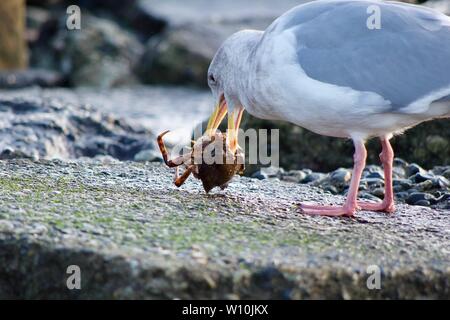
x,y
398,172
400,163
372,168
373,182
419,196
363,187
340,176
404,183
378,192
331,189
259,175
443,197
402,195
294,176
272,172
425,186
446,173
414,168
375,175
421,177
423,203
314,177
441,182
368,196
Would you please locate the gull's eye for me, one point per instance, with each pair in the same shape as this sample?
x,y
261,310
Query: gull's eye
x,y
211,79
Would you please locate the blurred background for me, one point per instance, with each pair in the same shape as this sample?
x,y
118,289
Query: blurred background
x,y
145,63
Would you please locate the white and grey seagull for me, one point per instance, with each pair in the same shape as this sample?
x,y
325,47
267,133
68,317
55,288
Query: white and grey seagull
x,y
322,66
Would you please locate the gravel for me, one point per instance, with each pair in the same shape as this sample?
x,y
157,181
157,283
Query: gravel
x,y
412,183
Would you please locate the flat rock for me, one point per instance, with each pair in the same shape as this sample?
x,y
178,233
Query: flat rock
x,y
135,235
36,127
155,109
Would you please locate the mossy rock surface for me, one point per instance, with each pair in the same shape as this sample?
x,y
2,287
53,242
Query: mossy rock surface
x,y
135,235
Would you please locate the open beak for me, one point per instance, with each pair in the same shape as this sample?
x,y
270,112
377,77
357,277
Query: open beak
x,y
216,118
234,121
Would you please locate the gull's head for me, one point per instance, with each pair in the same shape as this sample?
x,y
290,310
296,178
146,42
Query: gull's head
x,y
229,69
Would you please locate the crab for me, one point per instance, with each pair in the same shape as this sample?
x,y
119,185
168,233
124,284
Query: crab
x,y
215,144
211,174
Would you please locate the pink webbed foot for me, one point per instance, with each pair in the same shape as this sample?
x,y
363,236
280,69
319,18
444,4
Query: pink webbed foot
x,y
331,211
385,206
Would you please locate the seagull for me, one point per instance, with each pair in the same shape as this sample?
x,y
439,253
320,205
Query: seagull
x,y
353,69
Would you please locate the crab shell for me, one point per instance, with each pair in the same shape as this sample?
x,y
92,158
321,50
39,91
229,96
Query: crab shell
x,y
218,174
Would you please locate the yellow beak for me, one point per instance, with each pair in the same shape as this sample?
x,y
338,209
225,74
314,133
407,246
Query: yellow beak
x,y
217,116
234,121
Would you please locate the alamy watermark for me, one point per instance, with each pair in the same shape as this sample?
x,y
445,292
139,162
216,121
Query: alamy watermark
x,y
373,22
73,282
73,21
374,279
260,147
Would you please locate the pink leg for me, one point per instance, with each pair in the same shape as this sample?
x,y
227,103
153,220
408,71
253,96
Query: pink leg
x,y
387,158
349,208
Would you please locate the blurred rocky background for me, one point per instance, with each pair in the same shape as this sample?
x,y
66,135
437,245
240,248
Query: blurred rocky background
x,y
142,45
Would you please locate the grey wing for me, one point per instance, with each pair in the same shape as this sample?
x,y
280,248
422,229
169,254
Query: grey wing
x,y
406,59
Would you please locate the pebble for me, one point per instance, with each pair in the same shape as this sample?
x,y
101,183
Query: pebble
x,y
414,168
412,183
331,189
269,172
423,203
378,192
374,182
340,176
405,183
259,175
420,197
443,197
421,177
425,186
313,177
375,175
446,173
400,163
295,176
368,196
441,182
272,172
398,172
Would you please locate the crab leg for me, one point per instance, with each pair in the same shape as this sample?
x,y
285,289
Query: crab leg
x,y
179,180
174,162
